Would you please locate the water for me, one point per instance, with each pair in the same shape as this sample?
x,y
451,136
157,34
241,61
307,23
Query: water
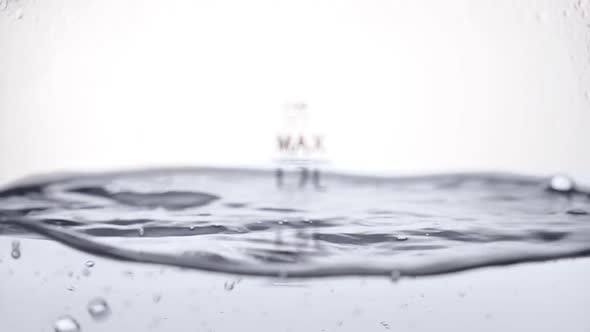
x,y
561,183
66,324
98,309
246,222
15,252
398,85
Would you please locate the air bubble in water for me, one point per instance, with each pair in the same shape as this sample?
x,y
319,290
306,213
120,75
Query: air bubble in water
x,y
561,183
89,263
401,238
66,324
15,253
395,275
229,285
98,309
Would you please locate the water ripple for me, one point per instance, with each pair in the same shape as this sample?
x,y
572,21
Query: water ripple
x,y
241,222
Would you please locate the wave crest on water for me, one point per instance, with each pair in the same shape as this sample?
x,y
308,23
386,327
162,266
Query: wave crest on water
x,y
246,222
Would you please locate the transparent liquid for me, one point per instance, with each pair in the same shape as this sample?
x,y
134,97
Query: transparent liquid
x,y
295,225
239,223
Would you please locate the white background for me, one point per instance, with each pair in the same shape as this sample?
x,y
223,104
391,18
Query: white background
x,y
394,86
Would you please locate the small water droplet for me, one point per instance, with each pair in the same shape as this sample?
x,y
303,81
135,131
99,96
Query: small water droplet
x,y
401,238
157,298
89,263
561,183
15,253
71,288
141,231
98,309
192,228
66,324
395,275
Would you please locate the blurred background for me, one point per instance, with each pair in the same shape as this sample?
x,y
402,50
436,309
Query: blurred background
x,y
393,86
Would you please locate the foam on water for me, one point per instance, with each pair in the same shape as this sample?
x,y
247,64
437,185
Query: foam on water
x,y
247,222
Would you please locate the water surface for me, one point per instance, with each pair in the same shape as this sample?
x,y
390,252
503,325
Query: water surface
x,y
304,224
